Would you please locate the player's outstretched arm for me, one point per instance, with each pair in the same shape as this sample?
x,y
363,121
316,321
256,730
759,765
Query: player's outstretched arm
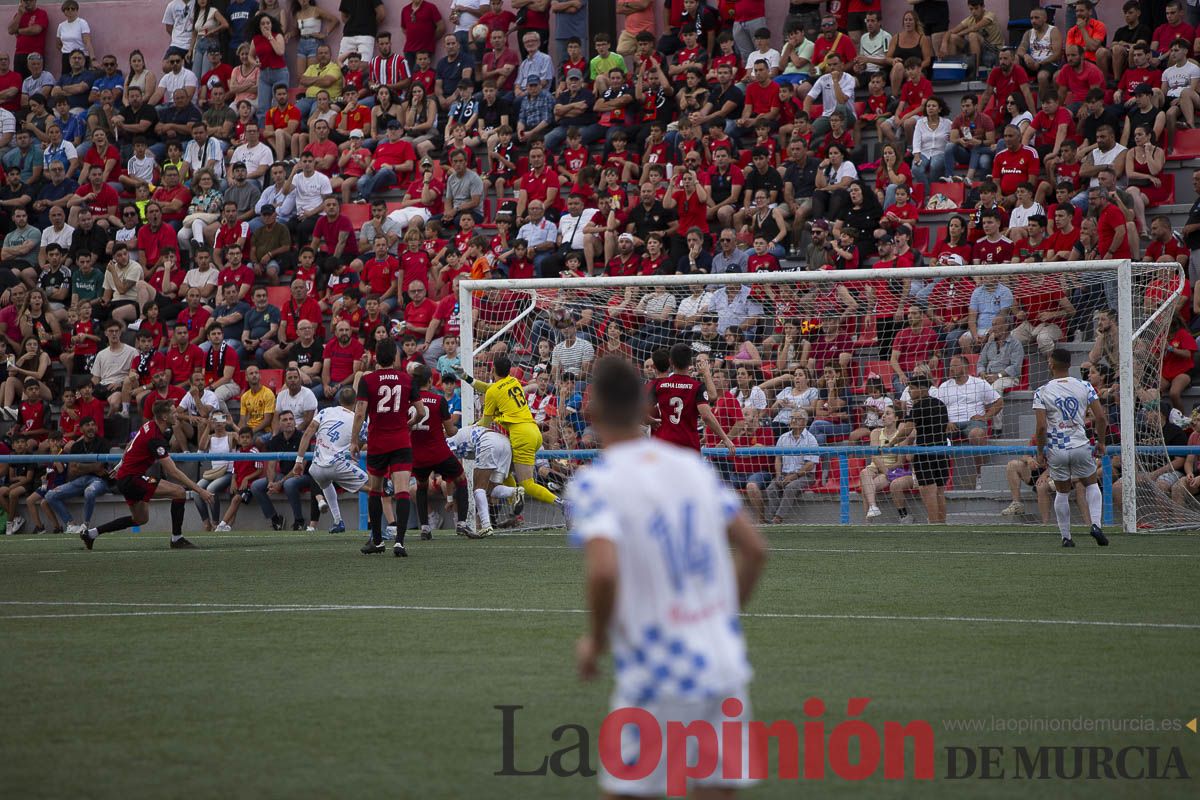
x,y
360,414
305,440
749,554
600,565
172,471
1099,425
714,425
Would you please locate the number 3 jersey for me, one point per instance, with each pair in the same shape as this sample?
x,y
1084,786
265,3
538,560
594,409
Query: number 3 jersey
x,y
675,631
388,395
678,399
332,441
1065,401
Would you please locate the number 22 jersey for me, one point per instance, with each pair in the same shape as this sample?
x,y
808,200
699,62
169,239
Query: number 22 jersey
x,y
388,395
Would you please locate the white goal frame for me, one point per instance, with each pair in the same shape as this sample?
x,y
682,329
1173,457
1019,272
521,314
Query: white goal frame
x,y
1122,270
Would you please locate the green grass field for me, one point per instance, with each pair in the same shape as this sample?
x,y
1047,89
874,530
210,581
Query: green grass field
x,y
288,665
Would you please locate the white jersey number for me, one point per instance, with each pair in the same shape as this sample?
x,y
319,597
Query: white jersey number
x,y
391,398
676,404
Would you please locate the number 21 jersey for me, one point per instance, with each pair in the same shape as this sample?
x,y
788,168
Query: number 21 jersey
x,y
388,394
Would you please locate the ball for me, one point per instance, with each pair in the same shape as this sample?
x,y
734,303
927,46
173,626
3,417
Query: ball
x,y
480,32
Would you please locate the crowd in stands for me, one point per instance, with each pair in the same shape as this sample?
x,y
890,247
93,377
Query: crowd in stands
x,y
234,224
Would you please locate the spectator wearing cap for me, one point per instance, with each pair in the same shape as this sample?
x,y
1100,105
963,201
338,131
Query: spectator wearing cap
x,y
393,162
1143,111
573,109
536,115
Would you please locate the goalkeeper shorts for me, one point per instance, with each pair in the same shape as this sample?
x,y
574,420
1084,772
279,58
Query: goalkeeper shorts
x,y
526,439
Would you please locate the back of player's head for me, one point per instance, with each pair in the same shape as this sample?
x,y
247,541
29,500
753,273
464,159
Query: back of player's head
x,y
681,355
501,365
661,359
1060,358
421,376
385,352
347,396
617,396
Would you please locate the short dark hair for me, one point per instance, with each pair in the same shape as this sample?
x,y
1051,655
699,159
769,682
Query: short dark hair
x,y
681,355
661,358
385,352
1061,357
421,376
501,365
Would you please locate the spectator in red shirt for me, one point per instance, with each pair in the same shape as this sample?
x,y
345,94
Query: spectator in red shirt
x,y
343,359
333,237
1008,78
97,196
1042,311
379,272
992,248
762,99
183,357
914,344
173,197
1014,165
690,203
1164,247
423,26
154,238
831,40
1110,225
393,163
419,313
1075,78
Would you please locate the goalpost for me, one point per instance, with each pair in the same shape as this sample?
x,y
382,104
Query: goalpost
x,y
850,320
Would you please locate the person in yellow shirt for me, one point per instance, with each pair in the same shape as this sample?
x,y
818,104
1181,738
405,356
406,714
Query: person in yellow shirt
x,y
504,403
257,405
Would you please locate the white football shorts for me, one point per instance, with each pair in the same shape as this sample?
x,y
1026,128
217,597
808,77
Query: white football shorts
x,y
1074,464
345,474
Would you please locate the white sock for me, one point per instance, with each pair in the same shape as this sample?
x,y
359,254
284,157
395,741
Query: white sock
x,y
502,492
481,508
1095,503
198,232
175,538
1062,511
330,493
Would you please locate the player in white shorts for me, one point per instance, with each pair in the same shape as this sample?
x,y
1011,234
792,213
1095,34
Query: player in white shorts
x,y
1061,408
332,465
493,461
656,524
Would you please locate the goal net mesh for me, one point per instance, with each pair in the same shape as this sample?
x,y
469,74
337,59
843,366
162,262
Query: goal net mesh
x,y
798,360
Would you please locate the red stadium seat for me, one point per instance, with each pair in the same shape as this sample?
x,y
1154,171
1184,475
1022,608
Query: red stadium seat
x,y
272,379
832,473
867,335
278,295
881,368
1186,145
917,193
920,240
856,466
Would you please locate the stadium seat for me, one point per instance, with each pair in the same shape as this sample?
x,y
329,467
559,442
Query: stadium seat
x,y
867,336
881,368
272,379
278,295
920,240
856,466
917,194
1186,145
831,471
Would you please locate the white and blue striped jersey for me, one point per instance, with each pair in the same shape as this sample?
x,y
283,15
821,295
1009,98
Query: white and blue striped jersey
x,y
468,441
1065,401
332,441
675,632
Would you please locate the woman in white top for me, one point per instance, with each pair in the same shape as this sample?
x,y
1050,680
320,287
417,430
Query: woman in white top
x,y
215,440
750,397
797,395
931,137
207,24
310,29
834,176
139,75
73,34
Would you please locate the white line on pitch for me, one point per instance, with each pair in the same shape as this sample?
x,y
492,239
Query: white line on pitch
x,y
50,571
199,609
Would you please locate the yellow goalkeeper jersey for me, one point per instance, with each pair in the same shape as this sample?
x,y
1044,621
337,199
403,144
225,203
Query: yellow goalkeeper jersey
x,y
504,401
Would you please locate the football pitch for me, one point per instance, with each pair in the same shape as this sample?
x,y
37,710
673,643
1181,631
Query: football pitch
x,y
289,665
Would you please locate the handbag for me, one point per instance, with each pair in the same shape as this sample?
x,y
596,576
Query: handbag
x,y
212,473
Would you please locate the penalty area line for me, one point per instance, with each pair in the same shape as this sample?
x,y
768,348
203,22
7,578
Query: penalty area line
x,y
211,609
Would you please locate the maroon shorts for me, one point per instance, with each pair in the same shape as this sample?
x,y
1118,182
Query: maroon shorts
x,y
385,464
449,469
137,488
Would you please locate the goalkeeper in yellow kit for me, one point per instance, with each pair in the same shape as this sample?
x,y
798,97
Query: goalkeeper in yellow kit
x,y
504,403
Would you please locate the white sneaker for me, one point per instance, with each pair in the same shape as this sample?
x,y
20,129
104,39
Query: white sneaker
x,y
874,512
311,528
74,529
18,523
321,504
905,520
1014,509
8,529
223,527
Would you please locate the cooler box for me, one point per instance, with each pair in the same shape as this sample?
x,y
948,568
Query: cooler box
x,y
950,69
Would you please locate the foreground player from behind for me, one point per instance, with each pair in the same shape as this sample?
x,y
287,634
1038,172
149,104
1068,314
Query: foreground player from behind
x,y
431,453
150,445
332,466
682,400
504,403
656,525
385,400
1060,407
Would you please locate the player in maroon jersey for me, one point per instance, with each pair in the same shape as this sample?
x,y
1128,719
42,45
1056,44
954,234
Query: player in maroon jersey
x,y
150,445
431,454
385,398
681,400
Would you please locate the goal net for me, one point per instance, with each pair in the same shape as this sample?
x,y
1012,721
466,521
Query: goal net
x,y
808,372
